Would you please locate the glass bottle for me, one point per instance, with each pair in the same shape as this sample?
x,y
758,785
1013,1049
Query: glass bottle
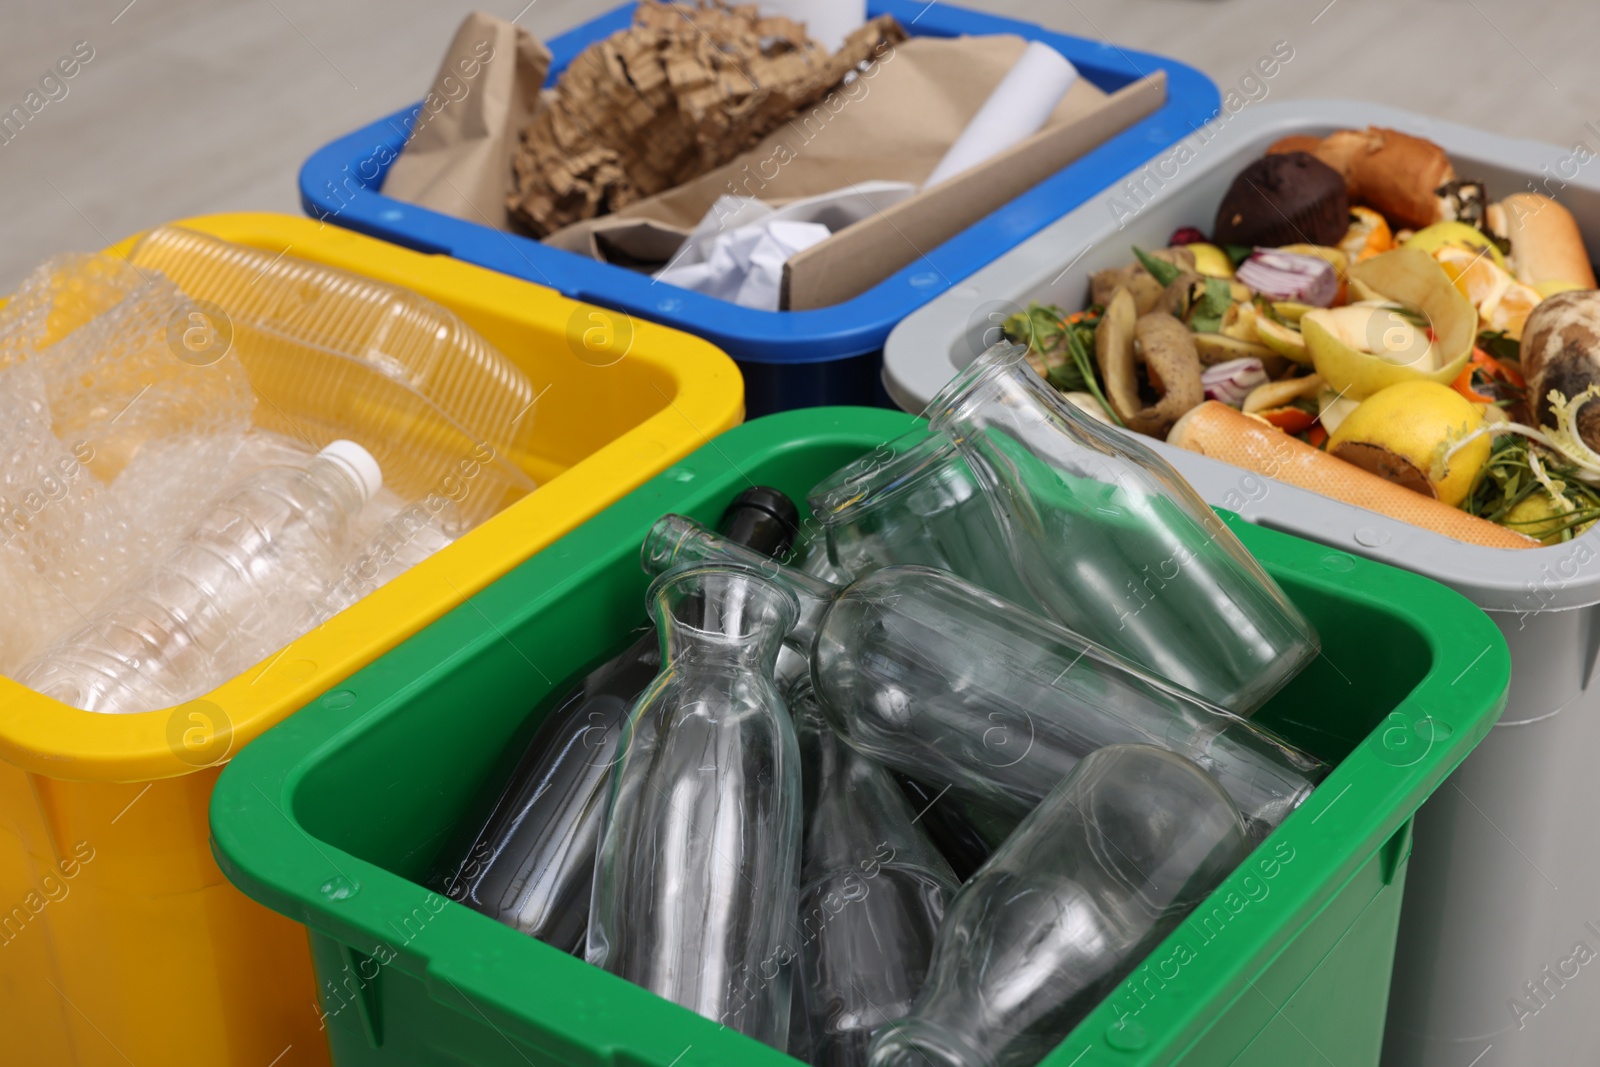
x,y
1107,866
932,676
1115,544
915,500
696,879
872,893
530,861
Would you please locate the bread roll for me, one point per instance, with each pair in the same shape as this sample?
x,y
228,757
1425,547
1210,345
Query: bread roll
x,y
1295,142
1390,171
1561,351
1545,243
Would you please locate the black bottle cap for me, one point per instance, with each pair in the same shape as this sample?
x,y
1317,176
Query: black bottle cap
x,y
763,519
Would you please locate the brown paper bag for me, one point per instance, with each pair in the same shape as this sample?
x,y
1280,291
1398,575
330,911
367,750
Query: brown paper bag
x,y
458,157
860,256
894,123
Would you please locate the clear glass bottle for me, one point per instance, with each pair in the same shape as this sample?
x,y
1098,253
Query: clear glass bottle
x,y
1103,869
1115,544
244,582
915,500
932,676
873,890
696,879
530,861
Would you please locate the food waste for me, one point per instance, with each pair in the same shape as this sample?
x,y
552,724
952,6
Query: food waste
x,y
1360,319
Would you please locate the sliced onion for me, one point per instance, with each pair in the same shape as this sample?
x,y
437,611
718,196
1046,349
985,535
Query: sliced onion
x,y
1290,276
1232,381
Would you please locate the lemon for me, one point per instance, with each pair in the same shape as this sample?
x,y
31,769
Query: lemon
x,y
1432,238
1211,261
1534,515
1401,432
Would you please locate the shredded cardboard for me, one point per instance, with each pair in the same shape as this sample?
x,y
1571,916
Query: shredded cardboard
x,y
682,91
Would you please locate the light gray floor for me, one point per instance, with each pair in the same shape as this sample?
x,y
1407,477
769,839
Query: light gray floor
x,y
189,106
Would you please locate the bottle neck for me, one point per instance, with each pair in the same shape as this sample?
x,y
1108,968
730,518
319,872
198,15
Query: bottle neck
x,y
675,539
337,483
721,615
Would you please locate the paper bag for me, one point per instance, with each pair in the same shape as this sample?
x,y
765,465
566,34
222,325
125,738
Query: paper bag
x,y
854,260
458,157
894,122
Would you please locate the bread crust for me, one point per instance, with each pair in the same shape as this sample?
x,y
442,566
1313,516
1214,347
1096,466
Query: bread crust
x,y
1545,243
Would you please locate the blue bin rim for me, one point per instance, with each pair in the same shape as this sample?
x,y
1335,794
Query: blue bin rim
x,y
852,328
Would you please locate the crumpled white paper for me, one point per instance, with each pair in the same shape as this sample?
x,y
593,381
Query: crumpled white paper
x,y
738,250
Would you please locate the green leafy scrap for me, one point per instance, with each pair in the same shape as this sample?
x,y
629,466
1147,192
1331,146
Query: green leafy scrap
x,y
1062,346
1162,271
1508,480
1206,313
1500,345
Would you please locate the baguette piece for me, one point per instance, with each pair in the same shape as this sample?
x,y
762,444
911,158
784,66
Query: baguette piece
x,y
1216,430
1545,243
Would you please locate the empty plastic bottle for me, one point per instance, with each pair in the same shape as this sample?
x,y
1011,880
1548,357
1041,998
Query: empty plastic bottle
x,y
241,584
936,678
1092,880
1113,542
696,881
530,864
872,893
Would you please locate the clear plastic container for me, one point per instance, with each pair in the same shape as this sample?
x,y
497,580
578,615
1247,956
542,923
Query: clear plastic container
x,y
332,354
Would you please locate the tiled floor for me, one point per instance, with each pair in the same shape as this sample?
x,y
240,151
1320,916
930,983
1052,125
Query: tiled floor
x,y
189,107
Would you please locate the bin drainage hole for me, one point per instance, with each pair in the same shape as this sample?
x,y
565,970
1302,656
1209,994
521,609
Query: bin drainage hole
x,y
1128,1035
340,888
1431,729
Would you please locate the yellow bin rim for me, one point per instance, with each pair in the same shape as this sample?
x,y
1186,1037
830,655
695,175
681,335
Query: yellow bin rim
x,y
44,736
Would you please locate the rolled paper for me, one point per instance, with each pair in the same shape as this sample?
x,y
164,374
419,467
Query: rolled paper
x,y
1218,431
1018,108
828,22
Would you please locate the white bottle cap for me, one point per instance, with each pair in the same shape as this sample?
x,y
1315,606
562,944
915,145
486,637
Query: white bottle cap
x,y
358,463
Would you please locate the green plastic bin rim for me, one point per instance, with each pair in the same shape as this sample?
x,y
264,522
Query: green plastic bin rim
x,y
526,989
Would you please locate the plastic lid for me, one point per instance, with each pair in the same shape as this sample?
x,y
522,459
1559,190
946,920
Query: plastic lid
x,y
358,463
